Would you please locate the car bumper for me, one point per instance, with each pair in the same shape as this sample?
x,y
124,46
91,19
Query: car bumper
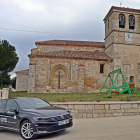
x,y
42,128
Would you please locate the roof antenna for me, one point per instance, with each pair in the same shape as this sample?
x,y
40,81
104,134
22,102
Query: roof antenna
x,y
120,4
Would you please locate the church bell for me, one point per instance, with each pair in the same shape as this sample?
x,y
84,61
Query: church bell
x,y
121,22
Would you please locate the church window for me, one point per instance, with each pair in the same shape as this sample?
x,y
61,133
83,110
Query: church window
x,y
131,22
101,68
108,23
121,21
131,79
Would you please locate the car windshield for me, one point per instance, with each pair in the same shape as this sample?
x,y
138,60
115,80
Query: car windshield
x,y
27,103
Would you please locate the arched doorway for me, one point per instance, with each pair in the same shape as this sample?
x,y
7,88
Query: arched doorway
x,y
59,77
131,79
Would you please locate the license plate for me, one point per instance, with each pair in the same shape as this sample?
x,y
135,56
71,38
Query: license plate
x,y
63,122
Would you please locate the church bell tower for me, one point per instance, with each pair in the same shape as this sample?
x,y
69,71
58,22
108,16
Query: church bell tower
x,y
122,41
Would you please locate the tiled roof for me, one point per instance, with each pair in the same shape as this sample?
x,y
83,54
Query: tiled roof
x,y
73,54
23,71
71,42
120,9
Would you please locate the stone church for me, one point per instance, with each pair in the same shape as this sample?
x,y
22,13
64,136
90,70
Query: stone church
x,y
82,66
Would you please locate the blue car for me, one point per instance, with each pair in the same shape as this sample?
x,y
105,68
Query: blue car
x,y
33,116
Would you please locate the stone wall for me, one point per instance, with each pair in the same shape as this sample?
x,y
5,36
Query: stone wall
x,y
41,75
97,110
93,79
31,79
22,82
126,57
77,75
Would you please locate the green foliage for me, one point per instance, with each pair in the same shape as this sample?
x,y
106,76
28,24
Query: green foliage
x,y
4,80
8,57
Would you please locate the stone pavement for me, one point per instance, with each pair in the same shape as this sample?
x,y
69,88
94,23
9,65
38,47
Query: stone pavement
x,y
112,128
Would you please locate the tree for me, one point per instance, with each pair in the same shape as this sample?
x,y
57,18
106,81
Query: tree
x,y
4,80
8,61
13,82
8,57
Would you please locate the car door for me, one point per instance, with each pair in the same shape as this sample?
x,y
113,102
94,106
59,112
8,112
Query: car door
x,y
11,115
3,118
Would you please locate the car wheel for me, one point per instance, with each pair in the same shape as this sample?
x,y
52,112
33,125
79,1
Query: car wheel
x,y
26,130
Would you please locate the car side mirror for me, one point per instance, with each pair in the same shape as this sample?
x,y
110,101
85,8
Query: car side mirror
x,y
11,112
14,111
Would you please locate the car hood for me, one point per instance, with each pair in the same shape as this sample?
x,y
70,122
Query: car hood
x,y
46,111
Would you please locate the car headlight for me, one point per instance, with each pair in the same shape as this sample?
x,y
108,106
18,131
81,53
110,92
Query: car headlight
x,y
40,119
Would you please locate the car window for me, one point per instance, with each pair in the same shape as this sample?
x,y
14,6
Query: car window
x,y
3,104
27,103
11,105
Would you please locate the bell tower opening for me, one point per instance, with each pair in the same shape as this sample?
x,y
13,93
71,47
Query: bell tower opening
x,y
131,22
121,21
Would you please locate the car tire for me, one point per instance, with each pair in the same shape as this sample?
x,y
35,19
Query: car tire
x,y
1,129
26,130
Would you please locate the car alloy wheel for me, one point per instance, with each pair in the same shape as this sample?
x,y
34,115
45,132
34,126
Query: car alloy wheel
x,y
26,131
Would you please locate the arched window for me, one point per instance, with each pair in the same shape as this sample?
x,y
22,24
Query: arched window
x,y
131,22
131,79
121,21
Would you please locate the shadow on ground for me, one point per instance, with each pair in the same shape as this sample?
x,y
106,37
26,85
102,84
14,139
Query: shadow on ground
x,y
53,135
17,136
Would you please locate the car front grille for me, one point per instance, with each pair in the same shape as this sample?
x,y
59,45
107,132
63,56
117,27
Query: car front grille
x,y
56,127
59,118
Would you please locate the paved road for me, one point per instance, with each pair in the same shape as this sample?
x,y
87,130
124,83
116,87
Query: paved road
x,y
115,128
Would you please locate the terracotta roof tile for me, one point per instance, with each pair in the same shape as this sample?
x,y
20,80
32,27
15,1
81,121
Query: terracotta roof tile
x,y
23,71
73,54
71,42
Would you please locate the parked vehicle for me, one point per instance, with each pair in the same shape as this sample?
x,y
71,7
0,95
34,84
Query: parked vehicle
x,y
33,116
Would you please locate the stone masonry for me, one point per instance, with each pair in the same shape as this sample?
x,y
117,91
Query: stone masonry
x,y
79,68
98,110
125,53
22,80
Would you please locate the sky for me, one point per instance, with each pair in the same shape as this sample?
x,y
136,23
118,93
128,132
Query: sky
x,y
55,19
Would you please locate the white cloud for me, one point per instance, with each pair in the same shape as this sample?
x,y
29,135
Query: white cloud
x,y
12,76
30,5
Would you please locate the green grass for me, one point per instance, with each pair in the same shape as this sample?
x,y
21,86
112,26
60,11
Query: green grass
x,y
77,97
